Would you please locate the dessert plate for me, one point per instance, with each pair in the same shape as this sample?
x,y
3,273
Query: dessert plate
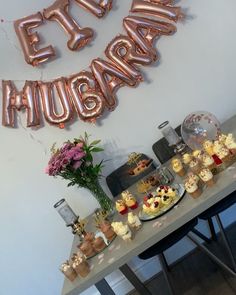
x,y
180,194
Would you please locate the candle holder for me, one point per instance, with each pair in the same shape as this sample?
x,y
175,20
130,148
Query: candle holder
x,y
172,137
70,218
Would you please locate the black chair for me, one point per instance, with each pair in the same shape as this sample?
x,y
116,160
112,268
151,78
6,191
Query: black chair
x,y
164,152
164,244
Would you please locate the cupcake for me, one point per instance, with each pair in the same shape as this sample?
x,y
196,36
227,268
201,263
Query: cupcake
x,y
221,138
107,230
133,221
230,143
208,147
195,165
121,207
68,271
129,200
207,176
177,167
80,265
187,158
208,161
122,230
221,151
155,206
166,200
99,244
192,188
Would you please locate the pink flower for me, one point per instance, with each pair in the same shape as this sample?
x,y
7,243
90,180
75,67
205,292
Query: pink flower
x,y
46,170
77,164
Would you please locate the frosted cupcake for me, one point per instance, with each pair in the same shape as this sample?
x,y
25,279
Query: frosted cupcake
x,y
195,166
121,207
221,151
187,158
192,188
207,176
68,271
122,230
177,167
208,161
166,200
230,143
129,200
133,221
208,147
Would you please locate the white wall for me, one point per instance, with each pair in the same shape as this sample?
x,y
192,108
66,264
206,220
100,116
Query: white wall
x,y
197,72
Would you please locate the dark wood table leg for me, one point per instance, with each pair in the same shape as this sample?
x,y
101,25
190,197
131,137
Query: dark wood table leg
x,y
134,280
104,288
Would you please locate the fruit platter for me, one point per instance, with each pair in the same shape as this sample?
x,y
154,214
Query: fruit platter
x,y
160,201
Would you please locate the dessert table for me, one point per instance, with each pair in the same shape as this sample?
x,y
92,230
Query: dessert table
x,y
120,252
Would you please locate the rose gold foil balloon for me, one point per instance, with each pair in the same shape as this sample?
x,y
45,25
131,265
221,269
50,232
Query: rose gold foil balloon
x,y
99,9
17,100
47,92
135,25
155,8
86,96
58,12
124,52
29,40
110,78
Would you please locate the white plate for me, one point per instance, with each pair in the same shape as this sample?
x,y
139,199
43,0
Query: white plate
x,y
180,193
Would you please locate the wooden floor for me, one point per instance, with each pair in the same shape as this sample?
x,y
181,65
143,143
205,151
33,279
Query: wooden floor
x,y
197,275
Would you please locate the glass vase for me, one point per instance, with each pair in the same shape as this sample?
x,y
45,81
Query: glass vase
x,y
102,198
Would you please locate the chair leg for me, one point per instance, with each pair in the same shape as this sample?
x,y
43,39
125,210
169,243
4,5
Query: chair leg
x,y
212,229
134,280
104,288
166,273
211,255
226,242
200,235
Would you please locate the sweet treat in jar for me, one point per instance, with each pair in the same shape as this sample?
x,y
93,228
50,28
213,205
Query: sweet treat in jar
x,y
222,137
134,221
80,265
197,154
99,244
195,165
68,271
192,188
208,161
208,147
121,207
187,158
230,143
177,167
129,200
221,151
193,177
89,237
143,186
207,176
86,247
107,230
153,180
122,230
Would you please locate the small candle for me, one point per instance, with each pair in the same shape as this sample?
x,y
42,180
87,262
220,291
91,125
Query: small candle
x,y
66,212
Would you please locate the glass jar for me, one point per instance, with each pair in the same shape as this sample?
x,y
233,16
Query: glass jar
x,y
164,175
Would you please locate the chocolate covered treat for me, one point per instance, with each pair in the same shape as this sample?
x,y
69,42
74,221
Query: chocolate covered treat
x,y
68,271
86,248
99,244
107,230
80,265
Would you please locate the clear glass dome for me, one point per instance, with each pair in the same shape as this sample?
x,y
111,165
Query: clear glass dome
x,y
198,127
